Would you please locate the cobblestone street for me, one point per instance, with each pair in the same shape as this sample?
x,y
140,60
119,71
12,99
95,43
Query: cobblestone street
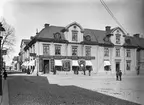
x,y
32,90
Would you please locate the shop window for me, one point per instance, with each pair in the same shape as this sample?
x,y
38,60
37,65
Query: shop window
x,y
66,65
128,65
106,52
117,52
57,49
46,49
128,53
74,35
88,50
74,50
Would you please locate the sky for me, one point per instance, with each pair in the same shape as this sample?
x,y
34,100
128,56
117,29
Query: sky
x,y
28,15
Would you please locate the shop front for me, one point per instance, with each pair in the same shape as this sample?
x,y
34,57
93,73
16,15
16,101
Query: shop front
x,y
63,63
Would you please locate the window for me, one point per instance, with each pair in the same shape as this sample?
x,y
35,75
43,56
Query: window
x,y
117,52
128,53
128,65
57,49
74,50
33,48
88,51
106,52
117,38
46,49
57,36
74,35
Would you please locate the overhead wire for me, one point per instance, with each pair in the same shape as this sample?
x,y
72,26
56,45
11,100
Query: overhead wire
x,y
110,12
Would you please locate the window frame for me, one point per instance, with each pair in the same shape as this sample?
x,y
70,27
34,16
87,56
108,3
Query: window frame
x,y
87,51
128,62
74,35
117,51
118,40
128,53
59,48
46,47
76,49
106,52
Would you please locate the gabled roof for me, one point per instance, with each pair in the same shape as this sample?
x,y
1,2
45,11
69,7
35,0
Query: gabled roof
x,y
113,29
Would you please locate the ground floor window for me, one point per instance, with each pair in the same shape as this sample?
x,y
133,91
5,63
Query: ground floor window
x,y
128,65
58,68
66,65
107,68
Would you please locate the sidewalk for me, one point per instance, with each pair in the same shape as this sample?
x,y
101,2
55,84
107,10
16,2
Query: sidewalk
x,y
4,99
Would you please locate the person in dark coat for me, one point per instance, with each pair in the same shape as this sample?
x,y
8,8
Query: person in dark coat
x,y
117,74
120,74
5,74
138,69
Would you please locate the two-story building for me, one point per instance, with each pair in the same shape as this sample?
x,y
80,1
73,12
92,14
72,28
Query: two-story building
x,y
64,48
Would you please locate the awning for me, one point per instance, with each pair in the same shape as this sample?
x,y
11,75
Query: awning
x,y
107,63
75,63
58,63
88,63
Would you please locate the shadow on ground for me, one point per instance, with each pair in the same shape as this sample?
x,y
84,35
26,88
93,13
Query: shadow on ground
x,y
35,90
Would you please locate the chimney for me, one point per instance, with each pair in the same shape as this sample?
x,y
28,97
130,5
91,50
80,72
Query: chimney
x,y
137,35
107,29
46,25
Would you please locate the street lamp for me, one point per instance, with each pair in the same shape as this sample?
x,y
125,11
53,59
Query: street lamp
x,y
1,29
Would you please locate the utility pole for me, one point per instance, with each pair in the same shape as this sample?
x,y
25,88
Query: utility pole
x,y
1,29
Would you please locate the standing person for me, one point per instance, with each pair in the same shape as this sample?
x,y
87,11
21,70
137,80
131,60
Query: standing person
x,y
117,74
5,74
90,69
138,68
120,74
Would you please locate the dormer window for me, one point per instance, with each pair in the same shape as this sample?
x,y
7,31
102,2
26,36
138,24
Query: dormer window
x,y
88,38
74,35
118,38
57,36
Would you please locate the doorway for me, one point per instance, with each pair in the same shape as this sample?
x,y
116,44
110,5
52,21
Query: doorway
x,y
117,66
46,66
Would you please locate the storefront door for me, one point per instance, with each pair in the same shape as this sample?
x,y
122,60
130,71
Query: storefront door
x,y
46,66
117,66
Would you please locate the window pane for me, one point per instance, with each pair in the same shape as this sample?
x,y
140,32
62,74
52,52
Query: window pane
x,y
128,53
128,65
106,51
88,51
57,50
45,49
117,52
74,50
117,38
74,35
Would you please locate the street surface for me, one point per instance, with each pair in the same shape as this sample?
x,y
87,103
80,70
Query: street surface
x,y
37,90
131,88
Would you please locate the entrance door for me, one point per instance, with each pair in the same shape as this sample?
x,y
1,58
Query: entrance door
x,y
117,65
46,66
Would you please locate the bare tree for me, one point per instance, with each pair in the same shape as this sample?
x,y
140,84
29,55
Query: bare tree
x,y
8,35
